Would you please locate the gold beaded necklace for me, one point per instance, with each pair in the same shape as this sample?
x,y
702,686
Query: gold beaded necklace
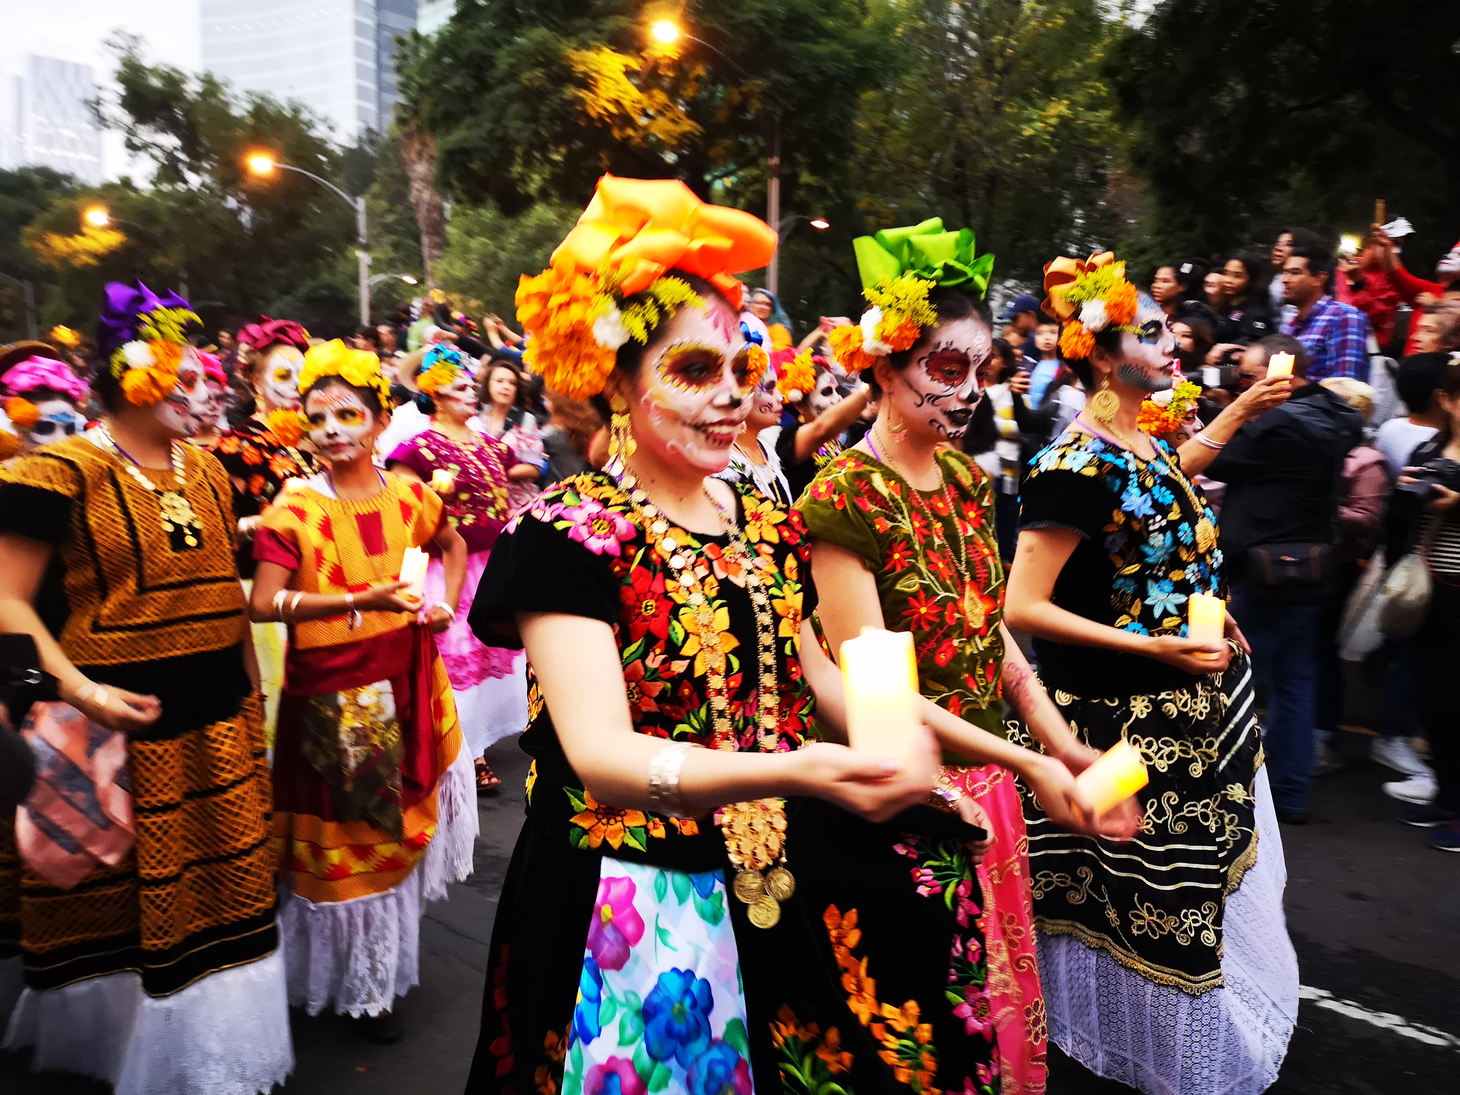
x,y
755,832
178,519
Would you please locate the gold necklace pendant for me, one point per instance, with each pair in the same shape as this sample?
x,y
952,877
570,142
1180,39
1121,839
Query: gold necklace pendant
x,y
175,513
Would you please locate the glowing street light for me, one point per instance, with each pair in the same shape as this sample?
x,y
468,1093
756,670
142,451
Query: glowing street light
x,y
820,223
261,163
665,31
97,216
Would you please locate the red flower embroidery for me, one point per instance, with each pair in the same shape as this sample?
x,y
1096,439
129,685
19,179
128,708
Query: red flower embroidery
x,y
644,596
923,611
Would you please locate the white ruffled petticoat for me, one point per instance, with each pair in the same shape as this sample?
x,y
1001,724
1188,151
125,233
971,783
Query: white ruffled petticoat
x,y
1228,1041
360,955
227,1034
494,709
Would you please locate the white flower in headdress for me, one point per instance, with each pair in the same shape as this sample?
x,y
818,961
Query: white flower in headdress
x,y
138,355
870,342
609,330
1163,398
796,395
1093,316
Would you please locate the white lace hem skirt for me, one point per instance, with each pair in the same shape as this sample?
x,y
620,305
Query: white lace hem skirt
x,y
1163,1041
494,709
359,955
227,1034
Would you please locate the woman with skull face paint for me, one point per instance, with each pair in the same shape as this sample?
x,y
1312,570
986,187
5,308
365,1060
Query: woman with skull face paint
x,y
469,471
374,808
157,972
905,539
809,386
260,456
1165,964
751,461
671,677
43,398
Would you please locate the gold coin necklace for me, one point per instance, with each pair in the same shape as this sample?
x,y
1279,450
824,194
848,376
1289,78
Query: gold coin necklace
x,y
184,530
755,832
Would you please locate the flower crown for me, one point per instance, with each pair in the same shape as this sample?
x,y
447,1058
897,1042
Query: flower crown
x,y
357,368
1088,297
898,268
45,374
797,375
608,284
441,373
142,336
267,333
1159,417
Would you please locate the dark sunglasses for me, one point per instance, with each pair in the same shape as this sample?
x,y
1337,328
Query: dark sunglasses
x,y
47,426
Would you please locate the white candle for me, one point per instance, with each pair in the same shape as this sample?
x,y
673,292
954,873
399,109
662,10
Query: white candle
x,y
442,480
1280,365
413,573
1206,618
1118,774
881,678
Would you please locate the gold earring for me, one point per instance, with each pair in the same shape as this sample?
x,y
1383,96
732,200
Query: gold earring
x,y
621,443
897,428
1104,405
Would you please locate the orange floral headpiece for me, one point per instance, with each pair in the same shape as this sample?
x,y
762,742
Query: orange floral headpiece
x,y
1087,297
607,282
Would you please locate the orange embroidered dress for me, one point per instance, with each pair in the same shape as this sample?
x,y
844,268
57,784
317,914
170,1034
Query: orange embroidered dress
x,y
375,811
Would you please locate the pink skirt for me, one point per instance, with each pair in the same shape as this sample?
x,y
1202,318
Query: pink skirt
x,y
1019,1019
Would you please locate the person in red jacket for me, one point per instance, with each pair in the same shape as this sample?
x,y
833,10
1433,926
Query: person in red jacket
x,y
1416,290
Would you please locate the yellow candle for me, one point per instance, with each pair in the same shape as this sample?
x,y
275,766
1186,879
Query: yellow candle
x,y
881,678
1206,618
1280,365
1118,774
413,572
442,480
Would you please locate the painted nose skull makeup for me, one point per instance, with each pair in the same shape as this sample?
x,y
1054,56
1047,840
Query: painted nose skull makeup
x,y
459,395
1149,354
695,386
190,406
280,376
940,387
824,395
340,422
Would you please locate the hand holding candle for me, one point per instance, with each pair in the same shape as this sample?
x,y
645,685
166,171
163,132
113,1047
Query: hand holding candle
x,y
413,573
1118,774
881,679
443,480
1206,618
1280,365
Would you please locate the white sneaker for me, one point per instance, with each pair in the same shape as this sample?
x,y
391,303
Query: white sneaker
x,y
1419,790
1399,755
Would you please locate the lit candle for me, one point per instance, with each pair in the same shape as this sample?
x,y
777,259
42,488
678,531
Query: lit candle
x,y
881,678
442,480
1206,618
413,573
1118,774
1280,365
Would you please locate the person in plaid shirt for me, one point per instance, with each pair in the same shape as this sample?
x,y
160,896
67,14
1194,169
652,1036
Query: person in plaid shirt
x,y
1335,335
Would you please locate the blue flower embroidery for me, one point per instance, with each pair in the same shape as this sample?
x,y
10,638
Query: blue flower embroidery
x,y
704,884
718,1070
1163,598
1158,548
590,995
677,1017
1136,503
1115,542
1162,494
1126,583
1185,534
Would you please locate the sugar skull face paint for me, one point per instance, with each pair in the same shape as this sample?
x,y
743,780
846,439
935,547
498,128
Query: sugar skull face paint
x,y
940,387
1150,355
58,421
279,377
190,407
457,399
824,395
341,424
765,403
694,388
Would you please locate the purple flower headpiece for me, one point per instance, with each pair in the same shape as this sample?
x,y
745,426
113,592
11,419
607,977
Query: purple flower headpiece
x,y
125,310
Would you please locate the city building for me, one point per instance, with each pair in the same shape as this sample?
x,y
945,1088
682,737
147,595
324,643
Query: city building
x,y
46,117
335,57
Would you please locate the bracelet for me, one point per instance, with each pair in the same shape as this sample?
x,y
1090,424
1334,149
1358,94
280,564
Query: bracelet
x,y
1210,443
294,604
449,610
278,612
664,769
356,620
945,795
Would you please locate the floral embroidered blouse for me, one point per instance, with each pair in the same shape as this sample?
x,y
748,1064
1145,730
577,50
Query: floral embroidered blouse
x,y
259,464
1148,540
919,545
580,549
476,505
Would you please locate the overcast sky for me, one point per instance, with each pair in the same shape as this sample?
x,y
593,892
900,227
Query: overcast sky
x,y
75,30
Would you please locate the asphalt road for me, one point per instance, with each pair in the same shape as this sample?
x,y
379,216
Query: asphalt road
x,y
1374,915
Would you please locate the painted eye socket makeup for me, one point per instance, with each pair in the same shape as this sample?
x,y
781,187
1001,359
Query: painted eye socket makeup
x,y
283,374
1151,332
947,367
691,365
187,380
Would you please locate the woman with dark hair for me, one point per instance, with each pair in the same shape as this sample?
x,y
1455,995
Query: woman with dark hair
x,y
503,416
903,539
469,471
1183,930
374,813
1246,309
1177,282
160,972
674,683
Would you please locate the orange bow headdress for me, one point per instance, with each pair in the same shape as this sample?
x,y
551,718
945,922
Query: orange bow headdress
x,y
607,282
1088,297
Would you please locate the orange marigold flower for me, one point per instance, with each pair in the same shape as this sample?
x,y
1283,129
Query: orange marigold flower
x,y
1075,341
846,346
900,335
22,411
1120,303
556,310
149,384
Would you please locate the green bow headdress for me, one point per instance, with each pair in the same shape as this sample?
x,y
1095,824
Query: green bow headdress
x,y
926,251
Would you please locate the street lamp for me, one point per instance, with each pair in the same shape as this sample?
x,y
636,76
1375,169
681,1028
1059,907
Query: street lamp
x,y
264,165
821,224
407,278
665,31
98,216
27,294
